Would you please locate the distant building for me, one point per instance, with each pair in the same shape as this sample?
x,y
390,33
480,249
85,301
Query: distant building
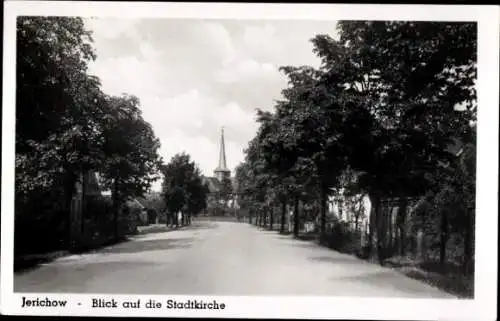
x,y
214,183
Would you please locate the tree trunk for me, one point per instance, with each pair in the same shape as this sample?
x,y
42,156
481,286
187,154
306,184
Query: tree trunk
x,y
381,232
266,215
283,216
401,224
116,208
372,247
84,199
69,191
323,206
443,239
390,232
371,226
271,218
296,217
69,219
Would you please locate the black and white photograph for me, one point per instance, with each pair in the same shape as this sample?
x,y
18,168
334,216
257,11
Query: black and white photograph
x,y
238,157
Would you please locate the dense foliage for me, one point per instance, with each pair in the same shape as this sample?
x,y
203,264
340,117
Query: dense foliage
x,y
183,189
66,127
379,118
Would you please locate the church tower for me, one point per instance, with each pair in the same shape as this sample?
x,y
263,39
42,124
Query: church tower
x,y
222,171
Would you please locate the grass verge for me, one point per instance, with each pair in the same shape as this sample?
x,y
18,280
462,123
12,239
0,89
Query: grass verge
x,y
449,279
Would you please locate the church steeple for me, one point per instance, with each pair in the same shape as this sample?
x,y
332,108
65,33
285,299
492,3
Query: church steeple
x,y
222,171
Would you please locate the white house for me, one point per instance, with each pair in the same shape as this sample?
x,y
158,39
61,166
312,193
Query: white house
x,y
345,209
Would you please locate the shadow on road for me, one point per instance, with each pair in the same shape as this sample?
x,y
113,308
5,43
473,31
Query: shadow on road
x,y
27,263
283,237
201,226
155,229
74,278
304,245
384,279
340,259
267,231
93,268
149,245
24,265
298,242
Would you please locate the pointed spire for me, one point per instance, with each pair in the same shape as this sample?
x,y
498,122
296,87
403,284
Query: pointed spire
x,y
222,171
222,153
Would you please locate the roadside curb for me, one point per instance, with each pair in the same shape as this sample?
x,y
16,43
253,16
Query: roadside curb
x,y
27,261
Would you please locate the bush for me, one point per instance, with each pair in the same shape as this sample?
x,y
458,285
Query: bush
x,y
343,239
39,231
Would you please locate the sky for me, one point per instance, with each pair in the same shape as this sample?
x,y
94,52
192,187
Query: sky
x,y
195,76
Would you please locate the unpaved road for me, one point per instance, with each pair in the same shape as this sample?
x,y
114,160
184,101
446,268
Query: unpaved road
x,y
220,258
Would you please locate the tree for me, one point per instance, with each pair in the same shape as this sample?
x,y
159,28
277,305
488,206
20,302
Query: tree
x,y
197,195
244,189
225,193
66,125
56,103
51,53
452,207
131,150
317,128
154,201
183,189
397,93
384,106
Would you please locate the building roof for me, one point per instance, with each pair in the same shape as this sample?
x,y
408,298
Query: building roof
x,y
214,185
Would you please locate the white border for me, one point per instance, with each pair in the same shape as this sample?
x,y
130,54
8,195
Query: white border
x,y
483,307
